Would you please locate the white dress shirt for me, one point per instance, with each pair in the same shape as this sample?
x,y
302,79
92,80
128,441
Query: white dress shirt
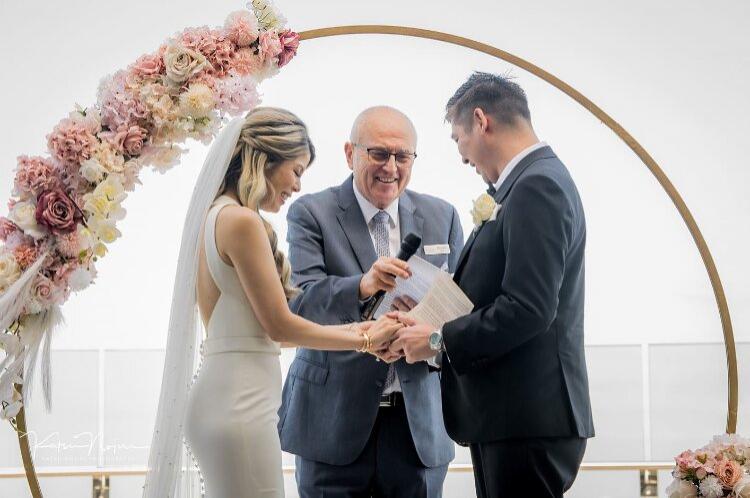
x,y
369,210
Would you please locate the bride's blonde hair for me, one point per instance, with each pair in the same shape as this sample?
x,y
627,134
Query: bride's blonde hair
x,y
269,137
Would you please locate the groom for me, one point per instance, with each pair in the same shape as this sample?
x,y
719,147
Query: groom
x,y
360,427
514,380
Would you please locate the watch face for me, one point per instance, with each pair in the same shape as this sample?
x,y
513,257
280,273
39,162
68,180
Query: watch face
x,y
435,341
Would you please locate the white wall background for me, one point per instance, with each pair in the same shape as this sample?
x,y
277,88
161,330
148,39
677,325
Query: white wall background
x,y
673,73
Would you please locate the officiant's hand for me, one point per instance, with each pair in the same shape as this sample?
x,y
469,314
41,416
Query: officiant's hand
x,y
382,276
412,340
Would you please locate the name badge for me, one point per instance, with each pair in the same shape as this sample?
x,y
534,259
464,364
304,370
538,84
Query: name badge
x,y
437,249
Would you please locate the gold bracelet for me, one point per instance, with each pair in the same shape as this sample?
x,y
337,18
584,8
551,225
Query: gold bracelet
x,y
366,343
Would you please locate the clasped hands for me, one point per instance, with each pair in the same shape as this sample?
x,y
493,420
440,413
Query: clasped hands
x,y
396,335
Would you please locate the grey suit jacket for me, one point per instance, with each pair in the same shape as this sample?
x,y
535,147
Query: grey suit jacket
x,y
515,366
330,399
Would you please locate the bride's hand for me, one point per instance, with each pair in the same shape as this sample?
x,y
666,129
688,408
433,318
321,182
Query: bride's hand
x,y
380,331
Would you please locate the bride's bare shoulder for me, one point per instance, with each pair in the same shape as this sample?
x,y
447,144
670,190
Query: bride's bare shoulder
x,y
239,222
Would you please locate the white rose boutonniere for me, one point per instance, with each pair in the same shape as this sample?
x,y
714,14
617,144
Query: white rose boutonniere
x,y
485,209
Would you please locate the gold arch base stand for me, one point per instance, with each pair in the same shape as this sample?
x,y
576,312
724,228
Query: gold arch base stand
x,y
645,157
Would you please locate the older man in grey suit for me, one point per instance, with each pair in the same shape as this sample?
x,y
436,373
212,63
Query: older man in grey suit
x,y
360,427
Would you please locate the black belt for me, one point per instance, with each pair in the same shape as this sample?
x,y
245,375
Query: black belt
x,y
391,400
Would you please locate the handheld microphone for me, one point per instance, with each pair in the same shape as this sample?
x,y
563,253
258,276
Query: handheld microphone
x,y
409,246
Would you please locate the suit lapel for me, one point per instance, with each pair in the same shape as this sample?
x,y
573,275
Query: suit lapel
x,y
353,224
410,220
500,196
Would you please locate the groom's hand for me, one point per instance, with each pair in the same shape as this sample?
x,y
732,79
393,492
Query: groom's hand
x,y
413,340
382,276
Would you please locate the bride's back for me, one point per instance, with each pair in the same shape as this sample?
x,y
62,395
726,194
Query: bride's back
x,y
225,310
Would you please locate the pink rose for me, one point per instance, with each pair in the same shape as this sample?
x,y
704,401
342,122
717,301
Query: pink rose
x,y
56,211
127,140
43,288
242,28
71,143
148,65
34,175
289,43
729,472
7,227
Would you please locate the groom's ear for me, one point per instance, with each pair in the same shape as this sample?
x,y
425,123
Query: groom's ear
x,y
480,120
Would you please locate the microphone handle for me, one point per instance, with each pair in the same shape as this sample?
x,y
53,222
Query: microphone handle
x,y
372,305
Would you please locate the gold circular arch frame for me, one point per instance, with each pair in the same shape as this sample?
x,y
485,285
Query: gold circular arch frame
x,y
645,157
700,242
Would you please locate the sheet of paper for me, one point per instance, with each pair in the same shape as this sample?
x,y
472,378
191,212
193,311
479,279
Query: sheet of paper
x,y
439,298
445,301
422,275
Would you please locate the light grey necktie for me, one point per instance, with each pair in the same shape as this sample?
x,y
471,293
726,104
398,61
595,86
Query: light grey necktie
x,y
379,224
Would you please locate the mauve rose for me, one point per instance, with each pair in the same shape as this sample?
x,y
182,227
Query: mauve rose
x,y
289,45
56,211
729,472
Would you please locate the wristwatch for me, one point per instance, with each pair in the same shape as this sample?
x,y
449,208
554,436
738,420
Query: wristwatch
x,y
436,340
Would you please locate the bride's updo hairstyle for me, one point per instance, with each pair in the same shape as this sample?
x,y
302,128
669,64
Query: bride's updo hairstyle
x,y
269,137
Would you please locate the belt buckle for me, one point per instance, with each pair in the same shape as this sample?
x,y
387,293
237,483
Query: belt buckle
x,y
387,400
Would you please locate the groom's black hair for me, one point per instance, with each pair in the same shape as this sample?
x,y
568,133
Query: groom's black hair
x,y
496,95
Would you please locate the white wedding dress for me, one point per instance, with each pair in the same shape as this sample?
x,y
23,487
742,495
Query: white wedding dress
x,y
231,419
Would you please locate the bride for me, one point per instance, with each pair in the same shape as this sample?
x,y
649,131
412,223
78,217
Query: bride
x,y
231,267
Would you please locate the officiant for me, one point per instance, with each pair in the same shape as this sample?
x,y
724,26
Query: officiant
x,y
359,426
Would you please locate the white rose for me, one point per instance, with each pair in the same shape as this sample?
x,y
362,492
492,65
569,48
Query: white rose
x,y
484,207
197,101
681,489
24,215
9,270
92,171
742,488
181,63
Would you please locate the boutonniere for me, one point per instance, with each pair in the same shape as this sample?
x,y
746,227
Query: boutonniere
x,y
485,209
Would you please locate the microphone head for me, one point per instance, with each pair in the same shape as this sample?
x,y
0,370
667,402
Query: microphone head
x,y
410,244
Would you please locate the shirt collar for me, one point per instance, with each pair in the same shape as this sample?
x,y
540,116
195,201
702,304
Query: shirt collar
x,y
369,210
514,162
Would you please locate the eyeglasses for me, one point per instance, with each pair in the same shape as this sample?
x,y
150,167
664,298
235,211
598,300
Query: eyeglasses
x,y
380,156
